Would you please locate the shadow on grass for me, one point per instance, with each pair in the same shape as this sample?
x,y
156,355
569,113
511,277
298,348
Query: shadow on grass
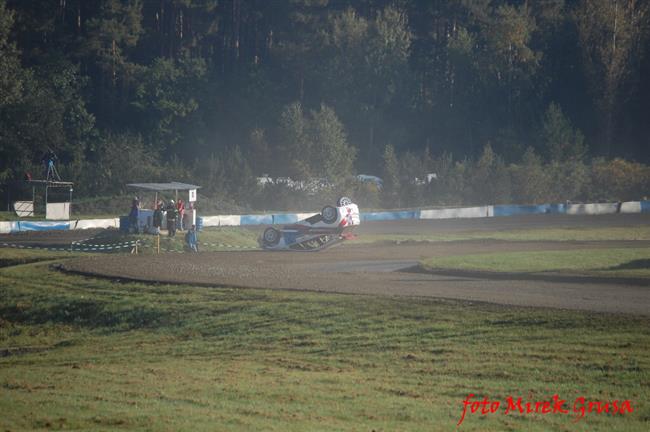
x,y
633,265
10,262
87,313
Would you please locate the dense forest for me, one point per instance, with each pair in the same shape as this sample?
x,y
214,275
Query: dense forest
x,y
449,102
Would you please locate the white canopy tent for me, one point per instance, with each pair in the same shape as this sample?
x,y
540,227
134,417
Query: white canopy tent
x,y
169,187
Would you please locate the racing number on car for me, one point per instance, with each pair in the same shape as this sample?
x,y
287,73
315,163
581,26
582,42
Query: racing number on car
x,y
347,220
348,217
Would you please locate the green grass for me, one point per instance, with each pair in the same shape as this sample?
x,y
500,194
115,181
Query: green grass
x,y
627,262
227,238
640,232
82,353
6,216
11,256
210,239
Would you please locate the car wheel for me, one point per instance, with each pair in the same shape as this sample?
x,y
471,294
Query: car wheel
x,y
343,201
330,214
271,237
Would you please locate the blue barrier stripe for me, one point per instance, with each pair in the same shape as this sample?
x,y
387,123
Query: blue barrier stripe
x,y
256,220
382,216
513,210
43,226
288,218
645,206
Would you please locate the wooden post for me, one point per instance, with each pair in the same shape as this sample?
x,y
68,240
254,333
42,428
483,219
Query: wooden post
x,y
158,243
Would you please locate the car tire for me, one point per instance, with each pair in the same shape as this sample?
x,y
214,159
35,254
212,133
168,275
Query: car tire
x,y
271,237
343,201
330,214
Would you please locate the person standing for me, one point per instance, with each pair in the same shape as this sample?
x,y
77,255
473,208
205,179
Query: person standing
x,y
157,218
192,240
181,213
171,219
134,215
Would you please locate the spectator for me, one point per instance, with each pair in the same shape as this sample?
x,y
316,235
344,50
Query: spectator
x,y
157,218
191,238
133,216
181,213
187,219
171,219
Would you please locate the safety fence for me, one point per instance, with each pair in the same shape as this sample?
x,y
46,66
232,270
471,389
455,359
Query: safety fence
x,y
22,226
288,218
79,246
443,213
104,247
156,246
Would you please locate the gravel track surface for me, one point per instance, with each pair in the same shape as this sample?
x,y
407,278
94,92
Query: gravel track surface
x,y
388,268
381,270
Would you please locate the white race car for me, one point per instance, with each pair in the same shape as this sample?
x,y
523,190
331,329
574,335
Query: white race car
x,y
322,230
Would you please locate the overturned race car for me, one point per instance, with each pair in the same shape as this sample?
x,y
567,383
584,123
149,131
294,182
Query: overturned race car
x,y
320,231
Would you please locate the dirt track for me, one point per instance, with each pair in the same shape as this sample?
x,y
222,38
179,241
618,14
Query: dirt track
x,y
386,269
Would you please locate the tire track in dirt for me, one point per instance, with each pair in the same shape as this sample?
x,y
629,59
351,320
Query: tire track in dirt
x,y
379,269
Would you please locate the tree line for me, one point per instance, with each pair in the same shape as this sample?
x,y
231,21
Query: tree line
x,y
508,100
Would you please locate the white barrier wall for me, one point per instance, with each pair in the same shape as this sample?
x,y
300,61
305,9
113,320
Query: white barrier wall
x,y
453,213
592,209
631,207
229,220
282,218
225,220
210,221
95,223
7,227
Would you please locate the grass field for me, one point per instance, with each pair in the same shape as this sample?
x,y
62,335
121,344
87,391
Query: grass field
x,y
11,257
226,238
626,262
81,353
639,232
210,239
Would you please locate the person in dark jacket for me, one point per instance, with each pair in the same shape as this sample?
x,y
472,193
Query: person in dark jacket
x,y
171,218
133,216
157,218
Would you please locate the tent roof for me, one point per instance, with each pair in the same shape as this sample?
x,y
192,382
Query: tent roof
x,y
161,187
